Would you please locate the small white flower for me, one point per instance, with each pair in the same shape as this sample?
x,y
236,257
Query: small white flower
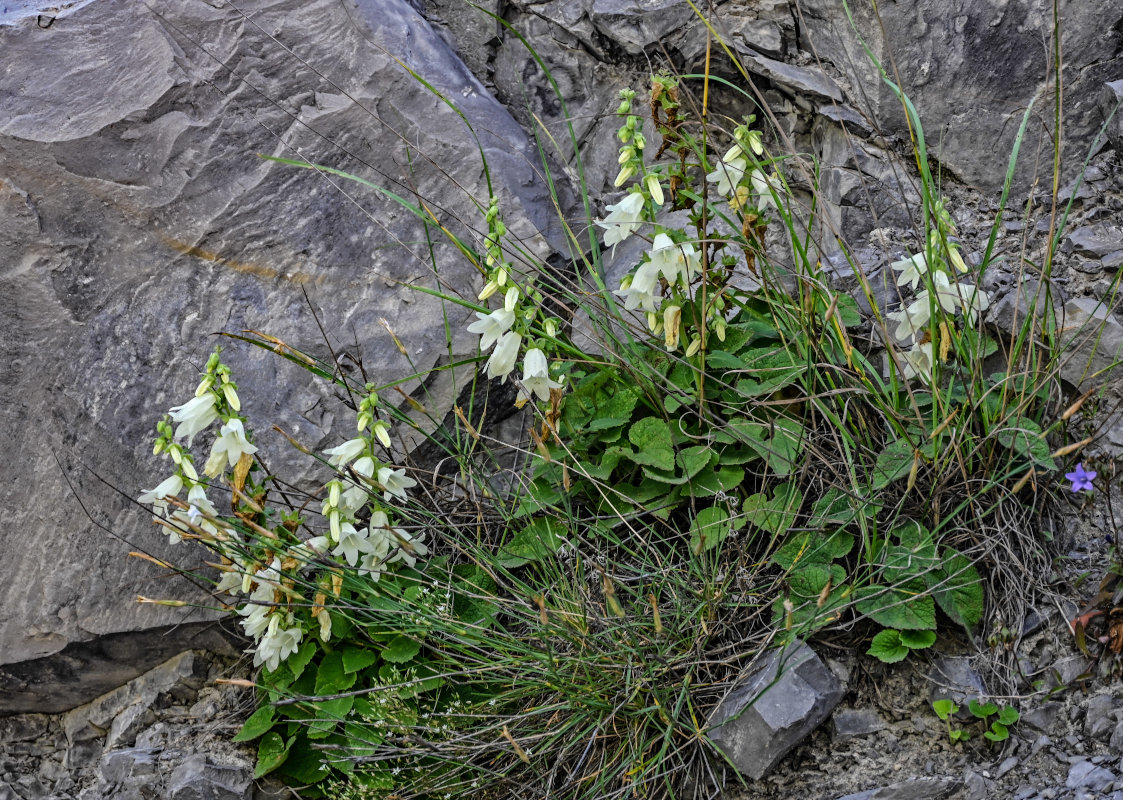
x,y
194,415
230,445
946,294
345,453
502,361
912,269
911,320
277,645
766,188
169,487
624,219
638,291
491,326
352,543
395,482
918,362
727,175
973,301
358,493
536,377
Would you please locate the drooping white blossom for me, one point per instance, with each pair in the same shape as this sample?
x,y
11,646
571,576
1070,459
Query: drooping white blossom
x,y
502,360
727,175
395,482
194,415
623,220
230,446
491,326
536,377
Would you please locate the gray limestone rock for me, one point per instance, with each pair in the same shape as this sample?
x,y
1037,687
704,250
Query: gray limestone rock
x,y
801,81
1099,716
1095,241
916,789
1087,774
953,678
1041,717
852,722
1111,98
1093,342
136,219
788,695
972,67
198,778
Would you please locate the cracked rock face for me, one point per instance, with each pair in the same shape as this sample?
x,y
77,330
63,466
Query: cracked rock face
x,y
137,219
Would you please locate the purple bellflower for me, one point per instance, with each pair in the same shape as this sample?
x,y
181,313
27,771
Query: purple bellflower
x,y
1081,479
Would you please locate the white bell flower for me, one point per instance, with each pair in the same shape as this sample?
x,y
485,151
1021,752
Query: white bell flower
x,y
352,543
536,377
256,619
946,294
345,453
624,219
973,301
169,487
395,482
912,269
194,415
910,321
918,362
353,499
640,291
409,546
727,175
230,445
502,361
276,645
766,187
491,326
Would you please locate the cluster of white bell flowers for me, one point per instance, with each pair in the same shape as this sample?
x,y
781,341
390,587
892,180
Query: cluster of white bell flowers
x,y
510,331
940,298
260,568
668,276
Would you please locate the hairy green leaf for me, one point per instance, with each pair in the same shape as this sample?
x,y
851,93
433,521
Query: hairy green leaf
x,y
904,608
888,647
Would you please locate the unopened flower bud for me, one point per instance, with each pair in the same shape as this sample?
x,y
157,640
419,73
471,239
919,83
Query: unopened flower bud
x,y
672,315
363,420
231,396
501,275
627,171
188,470
381,430
551,327
511,299
333,493
654,188
490,288
626,154
694,347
